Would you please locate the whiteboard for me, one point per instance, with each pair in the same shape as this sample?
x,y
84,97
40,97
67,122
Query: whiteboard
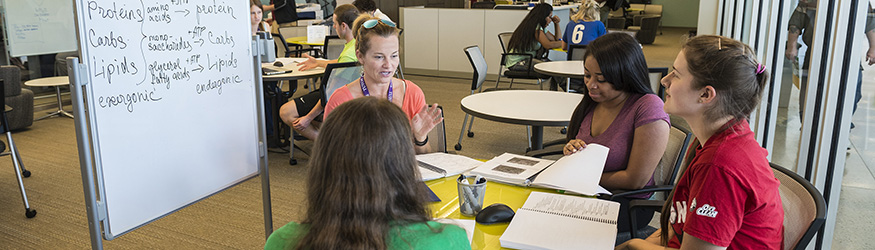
x,y
171,101
37,27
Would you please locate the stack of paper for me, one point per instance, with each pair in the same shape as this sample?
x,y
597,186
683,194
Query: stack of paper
x,y
439,165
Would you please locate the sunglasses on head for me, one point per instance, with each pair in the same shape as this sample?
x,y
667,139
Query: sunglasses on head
x,y
373,22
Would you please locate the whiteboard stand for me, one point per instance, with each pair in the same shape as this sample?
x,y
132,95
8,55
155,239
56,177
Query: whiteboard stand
x,y
91,176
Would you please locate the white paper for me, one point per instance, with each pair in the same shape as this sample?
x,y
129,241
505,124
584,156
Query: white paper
x,y
579,172
511,168
453,164
316,33
555,221
468,225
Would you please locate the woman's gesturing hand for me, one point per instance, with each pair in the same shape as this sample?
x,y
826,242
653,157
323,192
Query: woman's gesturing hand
x,y
424,121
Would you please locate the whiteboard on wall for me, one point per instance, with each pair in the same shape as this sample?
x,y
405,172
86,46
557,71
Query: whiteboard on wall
x,y
37,27
172,103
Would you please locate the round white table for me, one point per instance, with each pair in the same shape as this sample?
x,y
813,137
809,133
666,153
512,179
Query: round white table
x,y
568,69
536,108
290,65
56,82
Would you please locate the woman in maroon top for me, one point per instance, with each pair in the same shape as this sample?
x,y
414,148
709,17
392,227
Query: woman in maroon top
x,y
620,111
728,197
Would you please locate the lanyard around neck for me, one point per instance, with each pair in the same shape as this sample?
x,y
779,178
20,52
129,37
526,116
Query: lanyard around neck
x,y
365,88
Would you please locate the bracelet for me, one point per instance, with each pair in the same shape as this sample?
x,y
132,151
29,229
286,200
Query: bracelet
x,y
420,143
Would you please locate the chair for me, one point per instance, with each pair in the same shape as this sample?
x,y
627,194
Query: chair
x,y
654,10
282,48
616,23
20,99
13,151
647,34
483,5
530,74
438,135
804,208
664,176
656,75
575,52
332,47
336,75
478,63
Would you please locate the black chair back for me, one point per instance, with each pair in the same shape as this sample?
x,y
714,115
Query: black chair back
x,y
511,7
575,52
656,75
332,47
478,63
337,75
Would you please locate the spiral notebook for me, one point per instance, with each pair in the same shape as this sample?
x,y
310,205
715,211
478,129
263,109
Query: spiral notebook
x,y
558,221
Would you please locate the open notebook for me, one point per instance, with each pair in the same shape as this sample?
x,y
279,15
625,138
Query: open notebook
x,y
439,165
557,221
579,172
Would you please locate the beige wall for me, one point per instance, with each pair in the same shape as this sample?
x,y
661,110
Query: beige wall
x,y
679,13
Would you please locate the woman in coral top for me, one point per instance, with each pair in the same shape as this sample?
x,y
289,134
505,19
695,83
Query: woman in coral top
x,y
377,50
728,197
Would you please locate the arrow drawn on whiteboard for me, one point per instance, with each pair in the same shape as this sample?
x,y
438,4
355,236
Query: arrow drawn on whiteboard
x,y
200,41
181,11
200,68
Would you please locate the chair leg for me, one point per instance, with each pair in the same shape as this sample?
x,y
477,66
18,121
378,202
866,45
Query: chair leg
x,y
529,137
540,84
16,161
511,83
459,143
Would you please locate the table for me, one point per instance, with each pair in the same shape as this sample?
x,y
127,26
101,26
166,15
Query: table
x,y
536,108
299,41
485,236
302,40
567,69
56,82
291,63
273,89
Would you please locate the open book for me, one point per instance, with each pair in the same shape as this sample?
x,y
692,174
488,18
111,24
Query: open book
x,y
579,172
439,165
557,221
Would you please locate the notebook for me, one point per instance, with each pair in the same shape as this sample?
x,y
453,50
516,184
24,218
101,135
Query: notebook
x,y
439,165
557,221
579,172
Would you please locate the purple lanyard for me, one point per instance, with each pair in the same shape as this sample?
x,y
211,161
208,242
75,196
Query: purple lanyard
x,y
365,88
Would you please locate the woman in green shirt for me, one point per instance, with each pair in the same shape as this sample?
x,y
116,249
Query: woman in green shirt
x,y
529,37
364,189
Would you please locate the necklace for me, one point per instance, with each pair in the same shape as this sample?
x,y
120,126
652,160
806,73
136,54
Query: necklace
x,y
365,88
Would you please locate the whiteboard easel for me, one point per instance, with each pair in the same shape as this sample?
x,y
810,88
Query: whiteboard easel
x,y
167,113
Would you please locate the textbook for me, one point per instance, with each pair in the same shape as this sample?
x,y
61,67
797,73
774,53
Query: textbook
x,y
579,172
439,165
558,221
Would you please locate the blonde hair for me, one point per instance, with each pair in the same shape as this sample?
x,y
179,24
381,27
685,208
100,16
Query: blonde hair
x,y
363,35
587,12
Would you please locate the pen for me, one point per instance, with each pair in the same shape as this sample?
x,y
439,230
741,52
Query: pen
x,y
432,168
277,72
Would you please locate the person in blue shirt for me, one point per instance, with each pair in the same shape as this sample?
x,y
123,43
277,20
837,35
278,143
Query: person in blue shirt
x,y
584,26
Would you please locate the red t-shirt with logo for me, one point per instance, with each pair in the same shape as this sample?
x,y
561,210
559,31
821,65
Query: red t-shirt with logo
x,y
729,195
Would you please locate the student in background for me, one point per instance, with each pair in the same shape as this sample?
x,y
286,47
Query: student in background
x,y
530,38
728,197
620,111
370,8
256,12
584,26
311,103
378,52
362,196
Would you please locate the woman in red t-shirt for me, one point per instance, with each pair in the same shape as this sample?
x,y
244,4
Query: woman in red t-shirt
x,y
728,197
